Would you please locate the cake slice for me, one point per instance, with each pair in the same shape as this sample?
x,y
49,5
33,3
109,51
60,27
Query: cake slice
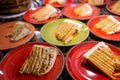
x,y
67,30
102,58
109,25
44,13
40,61
116,7
96,2
19,31
57,1
84,10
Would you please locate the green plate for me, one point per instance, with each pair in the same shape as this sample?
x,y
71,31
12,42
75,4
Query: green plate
x,y
49,29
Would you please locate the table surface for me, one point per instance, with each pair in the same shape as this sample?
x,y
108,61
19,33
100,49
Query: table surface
x,y
65,75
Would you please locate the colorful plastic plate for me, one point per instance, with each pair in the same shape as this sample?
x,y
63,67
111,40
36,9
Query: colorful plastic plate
x,y
27,16
68,11
5,43
49,29
109,5
68,2
75,66
105,2
11,63
91,24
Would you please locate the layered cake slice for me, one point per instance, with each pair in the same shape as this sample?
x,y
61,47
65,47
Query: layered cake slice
x,y
19,31
116,7
96,2
57,1
40,61
102,58
84,10
67,30
44,13
109,25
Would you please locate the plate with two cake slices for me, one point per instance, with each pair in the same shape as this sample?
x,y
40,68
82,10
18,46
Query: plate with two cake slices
x,y
106,27
58,3
11,64
13,34
114,7
64,32
96,2
80,11
79,69
41,15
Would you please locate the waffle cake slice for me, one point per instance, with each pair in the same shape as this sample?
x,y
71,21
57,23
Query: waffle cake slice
x,y
40,61
67,30
102,58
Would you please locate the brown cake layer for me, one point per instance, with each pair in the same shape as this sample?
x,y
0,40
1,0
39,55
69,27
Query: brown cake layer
x,y
14,6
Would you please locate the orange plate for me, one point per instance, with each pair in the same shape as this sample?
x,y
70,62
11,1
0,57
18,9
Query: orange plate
x,y
68,2
105,2
109,5
27,16
91,24
5,42
68,11
11,63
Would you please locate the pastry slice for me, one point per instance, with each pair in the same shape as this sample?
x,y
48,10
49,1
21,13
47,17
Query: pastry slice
x,y
116,7
102,58
57,1
84,10
109,25
67,30
96,2
40,61
19,31
44,13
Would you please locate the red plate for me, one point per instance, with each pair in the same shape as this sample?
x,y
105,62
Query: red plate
x,y
12,62
68,2
27,16
105,2
68,11
91,24
5,43
109,5
75,66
